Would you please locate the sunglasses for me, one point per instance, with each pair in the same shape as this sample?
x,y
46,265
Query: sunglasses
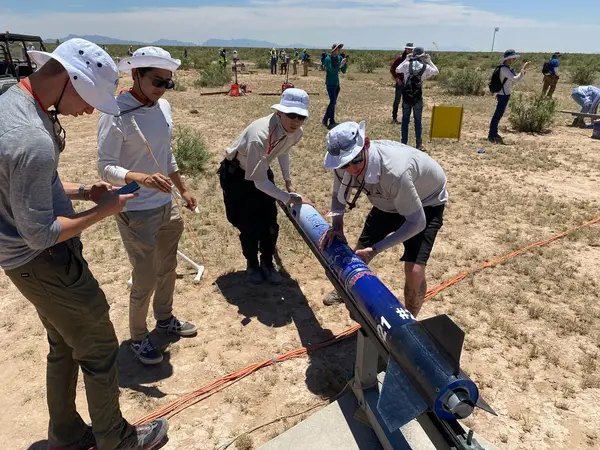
x,y
294,116
355,161
161,83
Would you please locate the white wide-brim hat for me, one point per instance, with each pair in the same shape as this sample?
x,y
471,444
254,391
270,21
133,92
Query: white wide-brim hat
x,y
293,100
344,143
509,54
155,57
91,70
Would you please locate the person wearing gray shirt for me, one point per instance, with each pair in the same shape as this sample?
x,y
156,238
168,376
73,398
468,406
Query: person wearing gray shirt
x,y
407,189
40,250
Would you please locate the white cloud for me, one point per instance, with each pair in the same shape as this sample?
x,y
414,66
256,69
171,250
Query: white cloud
x,y
366,23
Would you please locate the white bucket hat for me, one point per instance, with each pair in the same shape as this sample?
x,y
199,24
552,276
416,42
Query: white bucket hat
x,y
293,100
344,143
91,70
149,57
509,54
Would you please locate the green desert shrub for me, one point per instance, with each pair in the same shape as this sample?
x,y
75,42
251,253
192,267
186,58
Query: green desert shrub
x,y
190,151
465,82
214,75
583,74
532,114
369,63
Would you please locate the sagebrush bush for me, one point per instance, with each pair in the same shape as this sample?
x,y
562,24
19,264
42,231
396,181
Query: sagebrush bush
x,y
262,63
202,61
532,114
465,82
191,151
214,75
179,84
368,63
186,64
583,75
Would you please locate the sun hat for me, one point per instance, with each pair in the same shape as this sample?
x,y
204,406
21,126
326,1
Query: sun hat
x,y
344,142
293,100
149,57
509,54
336,45
418,52
91,70
409,45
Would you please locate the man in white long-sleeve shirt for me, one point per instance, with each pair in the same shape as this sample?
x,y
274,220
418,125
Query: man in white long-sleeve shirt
x,y
507,78
407,189
414,69
247,181
588,97
151,226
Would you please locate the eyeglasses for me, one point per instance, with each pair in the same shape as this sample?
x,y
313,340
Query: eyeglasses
x,y
162,83
355,161
294,116
59,132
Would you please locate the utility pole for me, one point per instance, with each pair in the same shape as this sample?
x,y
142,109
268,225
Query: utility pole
x,y
494,38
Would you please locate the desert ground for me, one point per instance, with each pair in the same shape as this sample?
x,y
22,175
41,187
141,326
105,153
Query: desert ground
x,y
532,323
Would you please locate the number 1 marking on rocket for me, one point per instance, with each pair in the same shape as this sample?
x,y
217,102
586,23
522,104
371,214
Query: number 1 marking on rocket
x,y
382,333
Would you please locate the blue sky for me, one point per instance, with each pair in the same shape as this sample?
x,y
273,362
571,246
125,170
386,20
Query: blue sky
x,y
527,25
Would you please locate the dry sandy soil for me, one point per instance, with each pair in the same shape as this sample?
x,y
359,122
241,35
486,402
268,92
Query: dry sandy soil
x,y
532,323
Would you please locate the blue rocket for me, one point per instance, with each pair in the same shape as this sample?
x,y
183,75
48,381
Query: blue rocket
x,y
423,371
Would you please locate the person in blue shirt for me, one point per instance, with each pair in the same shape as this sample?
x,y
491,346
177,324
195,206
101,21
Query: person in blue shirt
x,y
588,97
550,72
334,64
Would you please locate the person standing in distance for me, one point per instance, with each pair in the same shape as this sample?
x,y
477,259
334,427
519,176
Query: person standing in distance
x,y
507,79
399,79
414,70
333,64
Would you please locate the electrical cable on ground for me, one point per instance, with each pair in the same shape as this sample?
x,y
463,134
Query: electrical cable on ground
x,y
218,385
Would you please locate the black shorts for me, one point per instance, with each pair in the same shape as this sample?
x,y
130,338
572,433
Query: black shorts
x,y
418,248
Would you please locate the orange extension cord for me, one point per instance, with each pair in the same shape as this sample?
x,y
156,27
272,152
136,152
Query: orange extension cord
x,y
218,385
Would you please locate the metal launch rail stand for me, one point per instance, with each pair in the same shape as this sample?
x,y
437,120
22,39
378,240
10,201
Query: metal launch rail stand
x,y
444,435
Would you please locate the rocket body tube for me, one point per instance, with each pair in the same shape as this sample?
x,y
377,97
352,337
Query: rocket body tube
x,y
422,360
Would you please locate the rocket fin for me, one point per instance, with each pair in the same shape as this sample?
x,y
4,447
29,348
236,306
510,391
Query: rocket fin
x,y
448,336
399,402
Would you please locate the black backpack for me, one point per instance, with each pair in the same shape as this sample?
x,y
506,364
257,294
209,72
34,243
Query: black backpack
x,y
547,68
496,84
413,87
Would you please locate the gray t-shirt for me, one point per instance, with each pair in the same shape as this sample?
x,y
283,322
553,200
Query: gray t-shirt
x,y
399,179
31,193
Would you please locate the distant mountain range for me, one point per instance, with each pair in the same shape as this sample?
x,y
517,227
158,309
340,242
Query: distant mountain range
x,y
232,43
229,43
105,40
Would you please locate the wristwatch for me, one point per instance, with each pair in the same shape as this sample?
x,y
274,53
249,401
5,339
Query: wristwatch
x,y
81,191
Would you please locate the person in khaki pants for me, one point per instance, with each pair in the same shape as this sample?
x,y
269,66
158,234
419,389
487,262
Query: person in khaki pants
x,y
41,253
150,225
